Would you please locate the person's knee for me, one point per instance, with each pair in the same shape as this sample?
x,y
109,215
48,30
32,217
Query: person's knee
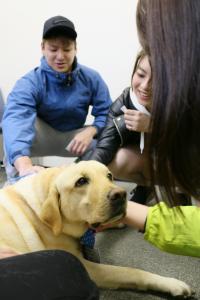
x,y
53,272
128,164
126,161
73,272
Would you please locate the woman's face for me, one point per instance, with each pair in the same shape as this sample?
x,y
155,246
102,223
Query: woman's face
x,y
141,82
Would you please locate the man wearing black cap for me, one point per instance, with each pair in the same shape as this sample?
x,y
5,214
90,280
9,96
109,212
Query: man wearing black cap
x,y
47,109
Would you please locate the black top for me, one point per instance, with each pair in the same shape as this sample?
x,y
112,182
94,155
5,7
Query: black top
x,y
115,133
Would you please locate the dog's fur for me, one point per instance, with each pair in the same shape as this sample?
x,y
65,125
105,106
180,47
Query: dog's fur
x,y
53,209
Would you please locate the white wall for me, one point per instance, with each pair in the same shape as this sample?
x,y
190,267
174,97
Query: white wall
x,y
107,38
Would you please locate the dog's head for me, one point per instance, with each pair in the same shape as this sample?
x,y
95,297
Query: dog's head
x,y
83,193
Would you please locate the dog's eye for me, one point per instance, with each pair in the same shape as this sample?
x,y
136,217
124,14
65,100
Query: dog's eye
x,y
81,181
110,177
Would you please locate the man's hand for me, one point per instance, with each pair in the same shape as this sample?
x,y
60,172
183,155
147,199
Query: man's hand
x,y
4,253
81,141
25,167
136,120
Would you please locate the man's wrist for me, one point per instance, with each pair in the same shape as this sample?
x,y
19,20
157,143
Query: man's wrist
x,y
96,129
22,163
93,130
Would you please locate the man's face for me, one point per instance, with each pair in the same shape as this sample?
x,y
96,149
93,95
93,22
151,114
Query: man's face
x,y
59,53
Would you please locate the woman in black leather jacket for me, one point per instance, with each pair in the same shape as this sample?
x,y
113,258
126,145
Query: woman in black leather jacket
x,y
119,145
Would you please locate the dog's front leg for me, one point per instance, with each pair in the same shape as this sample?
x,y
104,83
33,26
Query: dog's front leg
x,y
114,277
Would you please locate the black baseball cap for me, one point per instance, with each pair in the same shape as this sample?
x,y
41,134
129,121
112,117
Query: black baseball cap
x,y
59,25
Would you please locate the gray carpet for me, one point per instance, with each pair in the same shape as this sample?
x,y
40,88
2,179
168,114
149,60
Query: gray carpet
x,y
126,247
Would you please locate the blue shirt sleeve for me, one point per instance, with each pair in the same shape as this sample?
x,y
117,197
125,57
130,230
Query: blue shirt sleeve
x,y
18,119
101,103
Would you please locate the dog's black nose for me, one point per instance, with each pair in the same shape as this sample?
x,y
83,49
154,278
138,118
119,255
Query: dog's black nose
x,y
117,196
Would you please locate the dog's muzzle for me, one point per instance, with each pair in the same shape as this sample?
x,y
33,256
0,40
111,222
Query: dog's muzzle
x,y
117,206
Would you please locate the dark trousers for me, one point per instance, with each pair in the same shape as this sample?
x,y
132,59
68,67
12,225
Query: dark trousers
x,y
45,275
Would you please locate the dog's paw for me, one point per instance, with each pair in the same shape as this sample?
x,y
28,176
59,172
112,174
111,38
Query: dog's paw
x,y
179,288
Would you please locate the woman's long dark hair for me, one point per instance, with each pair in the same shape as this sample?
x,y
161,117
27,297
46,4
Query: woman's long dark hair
x,y
170,31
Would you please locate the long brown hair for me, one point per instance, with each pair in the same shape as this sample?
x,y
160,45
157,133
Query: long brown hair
x,y
170,31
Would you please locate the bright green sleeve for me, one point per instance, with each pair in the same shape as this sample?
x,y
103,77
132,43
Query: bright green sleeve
x,y
174,230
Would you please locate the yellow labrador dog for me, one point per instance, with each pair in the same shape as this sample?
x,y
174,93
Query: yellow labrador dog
x,y
53,209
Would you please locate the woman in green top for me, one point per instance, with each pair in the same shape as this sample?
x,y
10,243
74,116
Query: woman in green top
x,y
173,230
170,32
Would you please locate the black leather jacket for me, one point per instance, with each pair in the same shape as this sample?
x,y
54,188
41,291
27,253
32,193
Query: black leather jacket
x,y
115,133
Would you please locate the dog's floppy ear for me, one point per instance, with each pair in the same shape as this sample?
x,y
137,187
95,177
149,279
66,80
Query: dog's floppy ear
x,y
50,212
